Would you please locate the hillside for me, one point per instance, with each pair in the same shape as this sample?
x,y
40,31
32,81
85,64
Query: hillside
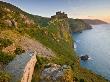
x,y
78,25
51,38
94,21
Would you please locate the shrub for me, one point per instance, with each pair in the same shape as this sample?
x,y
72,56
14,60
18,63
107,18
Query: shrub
x,y
82,80
40,61
5,58
19,51
4,77
5,42
75,79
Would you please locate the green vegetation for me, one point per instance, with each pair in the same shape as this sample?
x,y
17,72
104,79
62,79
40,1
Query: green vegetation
x,y
42,21
4,43
4,77
5,58
41,61
51,38
82,80
19,51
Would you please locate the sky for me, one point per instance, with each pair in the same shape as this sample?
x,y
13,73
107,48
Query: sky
x,y
83,9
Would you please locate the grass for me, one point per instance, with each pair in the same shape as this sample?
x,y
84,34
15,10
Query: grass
x,y
5,58
64,53
5,42
41,61
4,77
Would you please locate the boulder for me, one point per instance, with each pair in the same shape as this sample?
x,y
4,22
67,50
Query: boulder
x,y
56,73
85,57
8,22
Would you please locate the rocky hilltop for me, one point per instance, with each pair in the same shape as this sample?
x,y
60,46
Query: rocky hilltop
x,y
51,38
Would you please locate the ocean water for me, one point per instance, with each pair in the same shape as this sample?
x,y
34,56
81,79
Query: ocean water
x,y
96,44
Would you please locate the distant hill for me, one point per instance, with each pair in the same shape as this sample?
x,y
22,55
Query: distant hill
x,y
94,21
78,25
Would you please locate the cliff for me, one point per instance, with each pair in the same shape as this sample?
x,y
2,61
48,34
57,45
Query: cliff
x,y
21,32
78,25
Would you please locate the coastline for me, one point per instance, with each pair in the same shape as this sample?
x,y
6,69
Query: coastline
x,y
93,60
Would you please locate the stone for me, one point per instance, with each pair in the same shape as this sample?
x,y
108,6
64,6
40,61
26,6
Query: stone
x,y
8,22
85,57
22,67
54,73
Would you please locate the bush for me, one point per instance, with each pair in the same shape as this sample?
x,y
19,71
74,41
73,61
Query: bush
x,y
5,43
5,58
40,61
4,77
19,51
75,79
82,80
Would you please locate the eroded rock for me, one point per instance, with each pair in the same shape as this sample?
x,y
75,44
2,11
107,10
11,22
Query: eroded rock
x,y
85,57
55,73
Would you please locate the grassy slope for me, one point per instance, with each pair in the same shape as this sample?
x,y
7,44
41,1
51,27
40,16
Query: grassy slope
x,y
79,72
64,56
51,36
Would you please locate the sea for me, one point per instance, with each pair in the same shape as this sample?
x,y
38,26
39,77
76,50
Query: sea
x,y
96,44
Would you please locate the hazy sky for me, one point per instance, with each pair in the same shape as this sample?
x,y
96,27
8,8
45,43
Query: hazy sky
x,y
94,9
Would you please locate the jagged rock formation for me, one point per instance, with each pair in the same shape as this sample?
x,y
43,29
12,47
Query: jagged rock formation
x,y
22,67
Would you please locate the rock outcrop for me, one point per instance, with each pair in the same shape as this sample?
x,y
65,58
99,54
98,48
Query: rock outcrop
x,y
84,58
22,67
11,16
56,73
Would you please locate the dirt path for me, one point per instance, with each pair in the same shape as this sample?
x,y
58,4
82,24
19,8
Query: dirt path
x,y
30,44
27,43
